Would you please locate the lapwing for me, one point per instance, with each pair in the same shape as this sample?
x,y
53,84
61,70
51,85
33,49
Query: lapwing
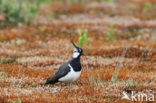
x,y
71,70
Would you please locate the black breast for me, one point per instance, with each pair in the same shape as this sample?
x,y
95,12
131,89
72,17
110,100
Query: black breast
x,y
76,64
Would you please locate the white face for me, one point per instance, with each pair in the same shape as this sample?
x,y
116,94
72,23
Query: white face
x,y
75,53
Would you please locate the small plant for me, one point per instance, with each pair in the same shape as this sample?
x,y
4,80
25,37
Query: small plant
x,y
3,75
99,81
147,6
83,37
18,101
110,1
111,33
33,84
115,78
42,29
131,83
15,11
7,60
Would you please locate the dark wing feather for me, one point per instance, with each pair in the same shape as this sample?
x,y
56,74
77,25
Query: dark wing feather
x,y
62,71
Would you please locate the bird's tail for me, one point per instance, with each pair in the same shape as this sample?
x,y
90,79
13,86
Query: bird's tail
x,y
51,81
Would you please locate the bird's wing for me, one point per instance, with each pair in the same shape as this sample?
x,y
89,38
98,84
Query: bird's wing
x,y
62,71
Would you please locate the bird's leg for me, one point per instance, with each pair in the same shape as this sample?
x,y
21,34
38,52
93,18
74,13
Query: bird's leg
x,y
61,86
70,83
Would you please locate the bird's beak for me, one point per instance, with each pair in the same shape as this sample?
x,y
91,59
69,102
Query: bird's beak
x,y
83,54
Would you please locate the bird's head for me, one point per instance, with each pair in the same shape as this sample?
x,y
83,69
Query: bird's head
x,y
77,51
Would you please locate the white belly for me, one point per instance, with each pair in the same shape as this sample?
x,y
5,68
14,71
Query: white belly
x,y
71,76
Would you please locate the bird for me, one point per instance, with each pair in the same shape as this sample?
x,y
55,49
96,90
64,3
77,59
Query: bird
x,y
69,71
